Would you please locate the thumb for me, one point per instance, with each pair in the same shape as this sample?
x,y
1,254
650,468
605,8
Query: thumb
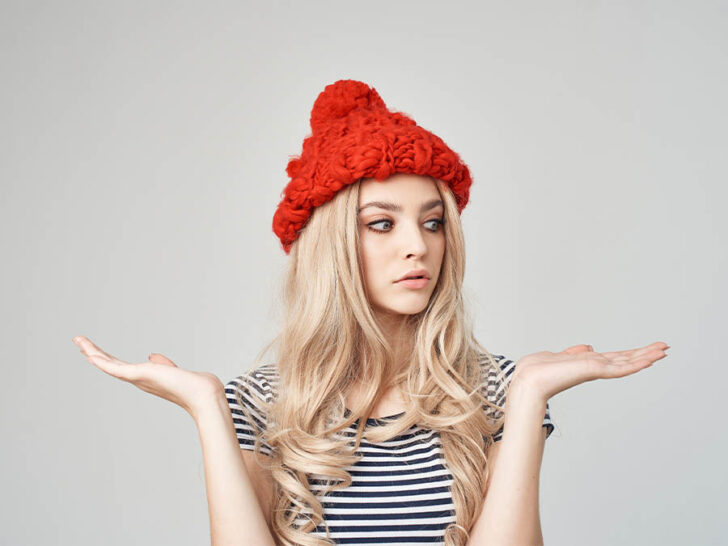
x,y
161,359
575,349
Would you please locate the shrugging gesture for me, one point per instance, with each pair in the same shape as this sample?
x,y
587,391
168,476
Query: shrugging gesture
x,y
548,374
158,376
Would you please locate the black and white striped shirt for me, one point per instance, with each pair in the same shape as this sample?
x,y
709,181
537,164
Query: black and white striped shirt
x,y
400,491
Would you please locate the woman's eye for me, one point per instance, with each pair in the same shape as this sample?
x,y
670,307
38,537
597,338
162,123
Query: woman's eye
x,y
437,221
378,222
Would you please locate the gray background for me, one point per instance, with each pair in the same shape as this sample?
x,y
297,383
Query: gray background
x,y
143,154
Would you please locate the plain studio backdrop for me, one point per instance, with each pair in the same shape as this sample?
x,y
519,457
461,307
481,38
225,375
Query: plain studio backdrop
x,y
143,154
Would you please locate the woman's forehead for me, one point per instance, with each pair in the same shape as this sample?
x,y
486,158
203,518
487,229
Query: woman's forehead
x,y
398,188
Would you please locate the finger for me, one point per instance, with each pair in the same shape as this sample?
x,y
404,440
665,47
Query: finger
x,y
622,369
636,362
640,351
89,349
114,368
651,356
161,359
575,349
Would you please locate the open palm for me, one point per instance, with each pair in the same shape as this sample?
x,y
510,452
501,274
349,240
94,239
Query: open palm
x,y
551,373
158,376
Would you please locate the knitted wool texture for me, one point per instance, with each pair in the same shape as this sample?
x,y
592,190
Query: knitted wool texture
x,y
354,136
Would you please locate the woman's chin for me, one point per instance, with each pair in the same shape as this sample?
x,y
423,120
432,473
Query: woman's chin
x,y
404,308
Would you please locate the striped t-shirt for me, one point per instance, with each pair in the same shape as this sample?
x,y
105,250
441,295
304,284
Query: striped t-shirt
x,y
400,491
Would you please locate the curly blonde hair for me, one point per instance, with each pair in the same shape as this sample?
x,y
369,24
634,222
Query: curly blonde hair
x,y
330,339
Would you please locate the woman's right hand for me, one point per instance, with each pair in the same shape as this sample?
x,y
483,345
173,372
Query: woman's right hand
x,y
159,376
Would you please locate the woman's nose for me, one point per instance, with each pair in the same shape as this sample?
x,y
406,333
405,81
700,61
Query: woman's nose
x,y
413,241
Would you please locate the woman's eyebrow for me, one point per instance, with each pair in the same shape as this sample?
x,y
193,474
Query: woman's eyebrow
x,y
386,205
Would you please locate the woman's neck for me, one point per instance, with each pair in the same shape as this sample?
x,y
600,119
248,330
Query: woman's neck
x,y
398,331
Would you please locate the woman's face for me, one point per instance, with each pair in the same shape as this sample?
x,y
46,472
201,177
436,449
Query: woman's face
x,y
400,230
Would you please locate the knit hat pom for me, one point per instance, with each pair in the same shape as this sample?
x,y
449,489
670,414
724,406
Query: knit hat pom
x,y
340,98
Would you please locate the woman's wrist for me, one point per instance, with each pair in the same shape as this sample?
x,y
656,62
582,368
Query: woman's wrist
x,y
523,393
524,411
209,405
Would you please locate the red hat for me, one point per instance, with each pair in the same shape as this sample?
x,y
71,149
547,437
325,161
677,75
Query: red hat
x,y
353,136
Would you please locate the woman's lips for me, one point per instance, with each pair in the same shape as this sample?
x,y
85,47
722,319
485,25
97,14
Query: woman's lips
x,y
414,283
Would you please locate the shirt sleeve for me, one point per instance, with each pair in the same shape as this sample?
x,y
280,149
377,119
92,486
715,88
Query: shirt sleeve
x,y
246,396
496,386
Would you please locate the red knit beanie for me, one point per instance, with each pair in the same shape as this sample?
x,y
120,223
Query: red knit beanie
x,y
353,136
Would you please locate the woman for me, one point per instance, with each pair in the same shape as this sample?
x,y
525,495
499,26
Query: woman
x,y
381,419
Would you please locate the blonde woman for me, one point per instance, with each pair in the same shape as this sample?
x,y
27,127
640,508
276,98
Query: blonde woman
x,y
381,418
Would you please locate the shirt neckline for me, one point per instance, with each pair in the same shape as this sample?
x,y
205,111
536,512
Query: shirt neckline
x,y
376,420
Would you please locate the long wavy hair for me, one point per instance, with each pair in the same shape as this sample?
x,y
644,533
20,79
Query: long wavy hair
x,y
330,340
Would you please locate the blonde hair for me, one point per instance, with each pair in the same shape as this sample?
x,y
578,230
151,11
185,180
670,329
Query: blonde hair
x,y
330,339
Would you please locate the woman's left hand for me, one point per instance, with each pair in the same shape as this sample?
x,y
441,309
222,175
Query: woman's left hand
x,y
549,373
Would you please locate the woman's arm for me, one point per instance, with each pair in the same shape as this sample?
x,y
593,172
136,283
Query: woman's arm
x,y
510,513
236,517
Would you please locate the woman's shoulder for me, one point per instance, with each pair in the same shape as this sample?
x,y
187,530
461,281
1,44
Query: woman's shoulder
x,y
260,381
497,371
495,363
